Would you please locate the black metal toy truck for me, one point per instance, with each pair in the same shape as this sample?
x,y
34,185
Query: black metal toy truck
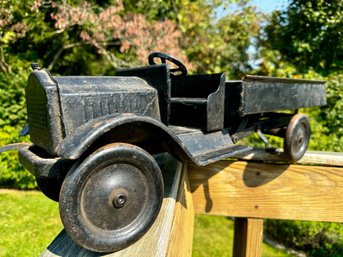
x,y
93,137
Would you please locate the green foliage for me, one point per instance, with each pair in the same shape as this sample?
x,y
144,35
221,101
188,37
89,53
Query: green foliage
x,y
214,37
327,121
315,238
218,42
80,37
12,119
12,98
308,34
12,173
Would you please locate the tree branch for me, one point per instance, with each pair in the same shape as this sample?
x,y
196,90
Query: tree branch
x,y
110,57
59,52
4,67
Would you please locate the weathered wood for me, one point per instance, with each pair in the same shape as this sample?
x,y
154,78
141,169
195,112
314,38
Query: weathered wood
x,y
154,243
181,236
311,157
260,190
248,237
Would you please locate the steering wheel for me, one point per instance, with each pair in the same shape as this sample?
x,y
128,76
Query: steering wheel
x,y
180,69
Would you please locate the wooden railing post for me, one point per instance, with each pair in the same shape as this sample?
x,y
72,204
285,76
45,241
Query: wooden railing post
x,y
248,237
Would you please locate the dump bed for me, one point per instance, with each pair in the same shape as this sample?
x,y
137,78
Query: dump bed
x,y
259,94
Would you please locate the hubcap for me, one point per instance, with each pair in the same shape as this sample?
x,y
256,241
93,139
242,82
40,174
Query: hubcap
x,y
114,196
109,200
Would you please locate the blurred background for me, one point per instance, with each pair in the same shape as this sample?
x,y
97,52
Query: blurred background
x,y
286,38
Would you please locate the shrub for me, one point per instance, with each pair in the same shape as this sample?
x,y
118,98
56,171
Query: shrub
x,y
314,238
327,121
12,98
12,119
12,173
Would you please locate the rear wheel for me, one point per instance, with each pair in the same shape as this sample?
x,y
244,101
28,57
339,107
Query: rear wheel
x,y
110,200
297,137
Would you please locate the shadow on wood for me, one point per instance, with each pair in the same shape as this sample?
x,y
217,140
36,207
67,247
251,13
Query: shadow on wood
x,y
265,190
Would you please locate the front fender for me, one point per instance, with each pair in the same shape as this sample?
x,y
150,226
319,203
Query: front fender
x,y
83,137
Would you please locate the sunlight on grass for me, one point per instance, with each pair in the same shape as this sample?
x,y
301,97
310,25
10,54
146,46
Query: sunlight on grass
x,y
213,236
28,223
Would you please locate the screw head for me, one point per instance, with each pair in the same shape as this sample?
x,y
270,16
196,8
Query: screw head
x,y
119,200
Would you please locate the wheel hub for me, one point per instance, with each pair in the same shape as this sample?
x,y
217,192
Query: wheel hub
x,y
113,198
119,200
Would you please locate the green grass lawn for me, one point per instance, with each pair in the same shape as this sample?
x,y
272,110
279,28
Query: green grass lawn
x,y
29,222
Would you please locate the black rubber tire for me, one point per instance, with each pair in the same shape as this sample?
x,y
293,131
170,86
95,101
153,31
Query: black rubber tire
x,y
297,137
111,199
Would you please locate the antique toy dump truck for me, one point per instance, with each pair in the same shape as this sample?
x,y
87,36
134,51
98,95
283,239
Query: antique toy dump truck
x,y
93,137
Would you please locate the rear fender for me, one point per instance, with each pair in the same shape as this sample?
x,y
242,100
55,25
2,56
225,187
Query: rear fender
x,y
143,131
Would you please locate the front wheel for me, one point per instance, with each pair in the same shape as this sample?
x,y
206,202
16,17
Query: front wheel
x,y
297,137
111,199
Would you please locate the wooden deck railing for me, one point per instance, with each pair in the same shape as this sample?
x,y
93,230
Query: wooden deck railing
x,y
247,189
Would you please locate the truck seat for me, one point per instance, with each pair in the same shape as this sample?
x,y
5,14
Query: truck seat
x,y
198,101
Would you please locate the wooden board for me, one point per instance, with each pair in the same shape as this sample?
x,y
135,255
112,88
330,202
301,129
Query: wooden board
x,y
310,157
181,236
248,237
275,191
155,242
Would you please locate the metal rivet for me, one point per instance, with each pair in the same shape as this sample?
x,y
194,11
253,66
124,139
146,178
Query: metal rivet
x,y
119,200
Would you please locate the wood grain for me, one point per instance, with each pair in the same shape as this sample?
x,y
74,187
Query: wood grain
x,y
181,236
310,157
154,243
259,190
248,237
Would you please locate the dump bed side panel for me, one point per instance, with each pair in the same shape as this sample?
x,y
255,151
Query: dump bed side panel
x,y
263,94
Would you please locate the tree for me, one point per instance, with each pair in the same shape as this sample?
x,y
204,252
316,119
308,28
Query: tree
x,y
219,37
308,34
215,34
81,37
